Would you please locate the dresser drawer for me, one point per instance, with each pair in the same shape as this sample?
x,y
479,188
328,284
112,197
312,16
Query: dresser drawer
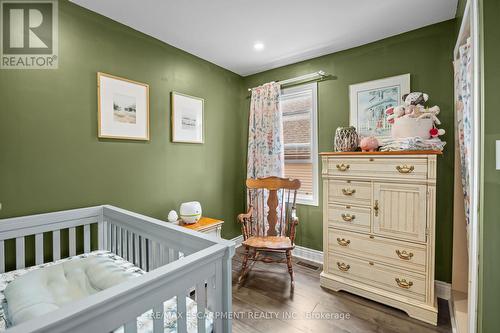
x,y
399,254
349,192
396,281
349,217
408,168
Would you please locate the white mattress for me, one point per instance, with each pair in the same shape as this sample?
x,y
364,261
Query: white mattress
x,y
52,285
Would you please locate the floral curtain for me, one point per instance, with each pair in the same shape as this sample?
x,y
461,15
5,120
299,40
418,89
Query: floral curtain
x,y
266,153
265,133
464,119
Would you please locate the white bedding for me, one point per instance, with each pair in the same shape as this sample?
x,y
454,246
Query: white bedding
x,y
35,291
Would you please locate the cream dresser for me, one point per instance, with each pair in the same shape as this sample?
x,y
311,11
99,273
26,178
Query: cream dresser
x,y
378,228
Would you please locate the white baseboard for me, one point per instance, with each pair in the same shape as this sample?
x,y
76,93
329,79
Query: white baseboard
x,y
443,289
238,240
308,254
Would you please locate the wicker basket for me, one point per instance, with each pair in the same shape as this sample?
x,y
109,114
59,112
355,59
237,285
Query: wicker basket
x,y
346,139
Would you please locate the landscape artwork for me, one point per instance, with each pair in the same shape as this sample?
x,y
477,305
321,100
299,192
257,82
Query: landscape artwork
x,y
369,100
123,108
187,118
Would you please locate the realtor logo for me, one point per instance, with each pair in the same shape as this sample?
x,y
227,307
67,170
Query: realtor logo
x,y
29,34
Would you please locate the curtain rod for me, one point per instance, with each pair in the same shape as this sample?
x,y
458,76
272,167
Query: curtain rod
x,y
312,76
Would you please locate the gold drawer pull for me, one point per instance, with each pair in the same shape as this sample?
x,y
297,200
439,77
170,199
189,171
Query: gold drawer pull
x,y
404,255
343,167
348,217
343,267
403,284
347,191
343,242
375,207
405,168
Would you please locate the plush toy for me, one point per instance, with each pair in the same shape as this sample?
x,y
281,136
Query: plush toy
x,y
434,132
394,113
413,107
369,143
415,98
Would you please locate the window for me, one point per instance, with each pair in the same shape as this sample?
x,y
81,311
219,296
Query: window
x,y
299,107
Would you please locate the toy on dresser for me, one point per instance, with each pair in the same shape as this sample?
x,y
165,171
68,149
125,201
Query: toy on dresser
x,y
414,126
413,119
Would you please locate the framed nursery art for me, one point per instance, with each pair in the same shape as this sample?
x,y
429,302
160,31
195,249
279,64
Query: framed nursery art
x,y
369,100
187,118
123,108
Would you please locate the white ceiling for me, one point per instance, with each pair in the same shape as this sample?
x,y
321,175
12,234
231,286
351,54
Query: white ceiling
x,y
224,31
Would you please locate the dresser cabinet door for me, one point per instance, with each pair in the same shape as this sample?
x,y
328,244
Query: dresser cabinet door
x,y
400,210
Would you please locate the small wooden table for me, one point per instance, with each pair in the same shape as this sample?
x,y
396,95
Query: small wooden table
x,y
206,225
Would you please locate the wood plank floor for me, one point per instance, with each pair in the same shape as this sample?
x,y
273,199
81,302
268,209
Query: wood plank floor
x,y
265,303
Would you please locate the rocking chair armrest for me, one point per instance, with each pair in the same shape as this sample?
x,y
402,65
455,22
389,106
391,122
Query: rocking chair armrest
x,y
245,216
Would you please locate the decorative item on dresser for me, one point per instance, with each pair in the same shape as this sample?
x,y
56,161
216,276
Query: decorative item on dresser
x,y
378,228
346,139
206,225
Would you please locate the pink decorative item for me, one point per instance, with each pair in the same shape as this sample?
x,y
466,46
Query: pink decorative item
x,y
369,143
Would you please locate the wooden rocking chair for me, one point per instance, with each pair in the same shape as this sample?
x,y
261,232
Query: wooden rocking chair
x,y
280,214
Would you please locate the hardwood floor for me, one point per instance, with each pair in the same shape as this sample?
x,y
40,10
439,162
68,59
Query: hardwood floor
x,y
265,303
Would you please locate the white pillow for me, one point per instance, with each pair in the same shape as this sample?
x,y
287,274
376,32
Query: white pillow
x,y
47,289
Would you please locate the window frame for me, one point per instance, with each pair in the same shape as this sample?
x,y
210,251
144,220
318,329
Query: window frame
x,y
312,86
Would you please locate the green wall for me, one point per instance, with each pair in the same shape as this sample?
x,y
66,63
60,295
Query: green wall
x,y
489,268
51,158
425,53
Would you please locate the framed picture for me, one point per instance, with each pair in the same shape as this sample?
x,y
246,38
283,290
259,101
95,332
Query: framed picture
x,y
369,100
123,108
187,118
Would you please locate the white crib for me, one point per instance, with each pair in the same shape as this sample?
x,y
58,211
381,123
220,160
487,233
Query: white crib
x,y
177,261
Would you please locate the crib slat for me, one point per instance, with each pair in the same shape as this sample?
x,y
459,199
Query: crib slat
x,y
113,238
157,255
165,256
143,254
118,241
137,260
211,292
200,305
72,242
181,310
125,244
20,253
101,232
2,257
130,247
150,255
158,319
107,239
86,238
39,249
218,296
56,245
131,326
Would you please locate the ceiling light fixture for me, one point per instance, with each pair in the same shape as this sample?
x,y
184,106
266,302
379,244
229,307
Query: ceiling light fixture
x,y
258,46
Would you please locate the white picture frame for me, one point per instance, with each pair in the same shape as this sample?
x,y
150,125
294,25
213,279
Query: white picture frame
x,y
123,108
369,100
187,118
